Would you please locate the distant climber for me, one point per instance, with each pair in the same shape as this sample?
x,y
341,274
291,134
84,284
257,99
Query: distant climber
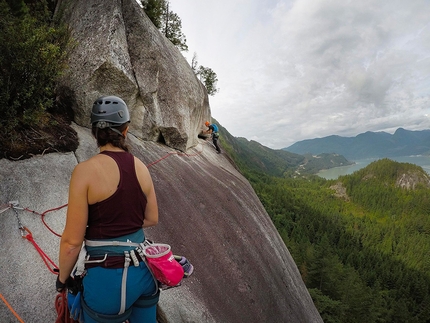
x,y
213,131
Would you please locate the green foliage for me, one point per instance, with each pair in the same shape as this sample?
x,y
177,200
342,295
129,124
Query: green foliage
x,y
154,10
206,75
168,22
254,157
170,25
363,260
209,78
33,56
172,29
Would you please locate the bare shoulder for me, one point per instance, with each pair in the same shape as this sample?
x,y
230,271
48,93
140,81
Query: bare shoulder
x,y
143,175
85,168
141,168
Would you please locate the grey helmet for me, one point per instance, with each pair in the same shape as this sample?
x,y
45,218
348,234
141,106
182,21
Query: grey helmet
x,y
109,111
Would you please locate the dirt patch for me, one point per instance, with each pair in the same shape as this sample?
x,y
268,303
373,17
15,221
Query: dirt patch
x,y
53,135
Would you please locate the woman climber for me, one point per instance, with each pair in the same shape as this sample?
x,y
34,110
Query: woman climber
x,y
111,200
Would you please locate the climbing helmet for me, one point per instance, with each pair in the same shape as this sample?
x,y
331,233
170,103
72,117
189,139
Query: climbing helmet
x,y
109,111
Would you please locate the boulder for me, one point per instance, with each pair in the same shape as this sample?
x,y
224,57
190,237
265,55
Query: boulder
x,y
118,51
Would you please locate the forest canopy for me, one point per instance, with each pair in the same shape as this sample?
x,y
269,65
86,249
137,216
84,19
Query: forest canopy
x,y
363,259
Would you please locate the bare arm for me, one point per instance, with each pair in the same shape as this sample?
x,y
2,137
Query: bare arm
x,y
76,221
145,180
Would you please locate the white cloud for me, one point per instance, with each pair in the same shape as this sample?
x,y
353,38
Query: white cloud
x,y
294,70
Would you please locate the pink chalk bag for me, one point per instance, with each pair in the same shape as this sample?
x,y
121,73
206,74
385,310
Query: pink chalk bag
x,y
161,261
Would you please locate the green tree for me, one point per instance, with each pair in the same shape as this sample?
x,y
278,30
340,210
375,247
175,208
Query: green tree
x,y
172,29
154,9
206,75
209,79
170,25
168,22
33,56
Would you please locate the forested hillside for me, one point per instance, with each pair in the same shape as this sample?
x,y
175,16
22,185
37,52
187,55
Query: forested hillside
x,y
362,243
251,155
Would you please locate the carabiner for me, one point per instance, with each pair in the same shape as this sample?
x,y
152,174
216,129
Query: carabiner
x,y
24,232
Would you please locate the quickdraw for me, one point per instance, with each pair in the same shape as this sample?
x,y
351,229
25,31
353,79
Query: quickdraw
x,y
26,234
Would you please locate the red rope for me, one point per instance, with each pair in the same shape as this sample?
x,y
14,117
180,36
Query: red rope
x,y
63,314
42,215
157,161
42,254
174,153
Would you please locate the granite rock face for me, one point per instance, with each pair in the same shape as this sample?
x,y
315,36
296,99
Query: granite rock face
x,y
209,213
118,51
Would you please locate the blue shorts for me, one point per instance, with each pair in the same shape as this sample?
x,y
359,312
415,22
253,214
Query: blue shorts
x,y
102,292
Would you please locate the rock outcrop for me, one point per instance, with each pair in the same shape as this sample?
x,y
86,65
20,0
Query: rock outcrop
x,y
410,180
208,213
118,51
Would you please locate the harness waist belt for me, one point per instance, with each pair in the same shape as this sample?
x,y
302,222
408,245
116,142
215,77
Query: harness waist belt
x,y
104,243
110,261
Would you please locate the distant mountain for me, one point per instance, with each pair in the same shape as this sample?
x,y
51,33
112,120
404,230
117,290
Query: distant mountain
x,y
368,145
253,156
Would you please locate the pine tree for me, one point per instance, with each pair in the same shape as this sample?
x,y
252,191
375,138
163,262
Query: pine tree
x,y
168,22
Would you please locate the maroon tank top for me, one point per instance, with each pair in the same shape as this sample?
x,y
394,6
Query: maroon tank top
x,y
123,212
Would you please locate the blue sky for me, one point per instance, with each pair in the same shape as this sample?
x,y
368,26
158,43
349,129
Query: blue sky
x,y
295,70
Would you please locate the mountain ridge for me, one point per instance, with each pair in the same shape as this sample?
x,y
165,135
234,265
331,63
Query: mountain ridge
x,y
276,162
368,144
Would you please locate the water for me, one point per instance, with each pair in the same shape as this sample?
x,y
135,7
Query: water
x,y
334,173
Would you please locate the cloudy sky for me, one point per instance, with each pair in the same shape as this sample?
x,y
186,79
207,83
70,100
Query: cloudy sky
x,y
291,70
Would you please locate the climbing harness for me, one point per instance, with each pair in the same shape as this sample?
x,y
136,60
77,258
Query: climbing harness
x,y
129,256
130,259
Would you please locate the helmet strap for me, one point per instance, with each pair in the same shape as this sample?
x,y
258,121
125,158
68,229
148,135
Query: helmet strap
x,y
104,124
117,131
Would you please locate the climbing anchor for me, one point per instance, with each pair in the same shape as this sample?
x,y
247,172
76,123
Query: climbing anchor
x,y
14,205
26,234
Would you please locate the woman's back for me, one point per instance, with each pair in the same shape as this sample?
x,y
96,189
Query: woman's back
x,y
121,203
